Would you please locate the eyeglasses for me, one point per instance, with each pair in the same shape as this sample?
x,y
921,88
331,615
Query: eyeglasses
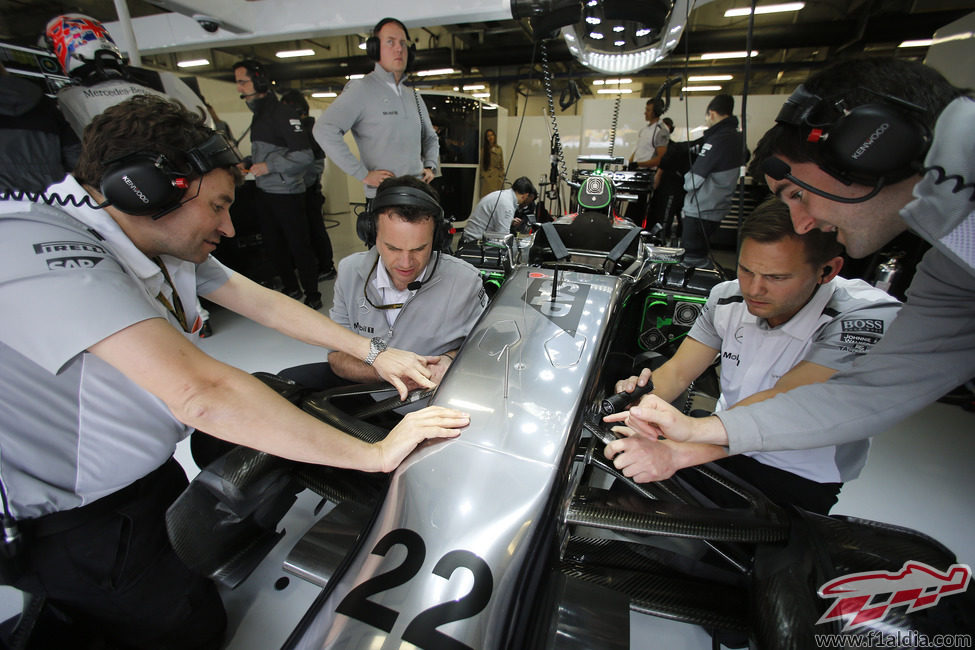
x,y
365,294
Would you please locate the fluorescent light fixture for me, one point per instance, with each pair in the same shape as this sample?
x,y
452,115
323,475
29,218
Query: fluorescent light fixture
x,y
350,77
614,91
727,55
326,94
767,9
475,87
643,31
482,95
691,89
595,35
592,20
710,77
195,63
438,71
618,28
607,82
924,42
290,54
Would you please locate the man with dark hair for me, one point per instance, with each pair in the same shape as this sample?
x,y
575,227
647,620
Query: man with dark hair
x,y
388,120
926,187
779,325
395,283
314,199
651,145
496,211
280,155
710,183
100,377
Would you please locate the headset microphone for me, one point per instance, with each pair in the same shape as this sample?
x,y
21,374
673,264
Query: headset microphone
x,y
778,169
416,284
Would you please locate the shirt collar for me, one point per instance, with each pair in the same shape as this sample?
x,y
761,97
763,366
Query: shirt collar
x,y
101,222
384,282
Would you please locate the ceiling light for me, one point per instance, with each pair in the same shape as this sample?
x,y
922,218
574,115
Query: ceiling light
x,y
324,94
710,77
691,89
642,32
480,94
475,87
767,9
619,43
290,54
195,63
350,77
595,35
435,72
592,20
618,28
726,55
923,42
614,91
600,82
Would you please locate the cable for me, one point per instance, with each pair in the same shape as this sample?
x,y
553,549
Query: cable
x,y
547,77
51,199
616,119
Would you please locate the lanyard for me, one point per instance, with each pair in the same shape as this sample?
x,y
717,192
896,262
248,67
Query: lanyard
x,y
176,307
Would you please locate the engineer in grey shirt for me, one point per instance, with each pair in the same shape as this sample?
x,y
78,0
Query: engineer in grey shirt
x,y
388,120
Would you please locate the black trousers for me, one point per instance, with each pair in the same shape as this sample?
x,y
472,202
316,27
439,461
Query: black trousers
x,y
695,235
320,241
112,571
284,225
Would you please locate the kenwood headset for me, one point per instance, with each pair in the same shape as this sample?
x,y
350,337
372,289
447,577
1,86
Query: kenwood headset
x,y
871,144
398,196
373,45
146,183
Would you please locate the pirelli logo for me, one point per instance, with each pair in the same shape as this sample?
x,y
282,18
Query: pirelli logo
x,y
874,325
46,248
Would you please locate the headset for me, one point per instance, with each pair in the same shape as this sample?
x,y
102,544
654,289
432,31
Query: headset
x,y
372,43
871,144
146,183
400,196
258,75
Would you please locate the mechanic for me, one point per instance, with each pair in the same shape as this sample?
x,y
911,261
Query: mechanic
x,y
388,120
916,181
99,376
314,199
392,291
651,145
496,211
280,154
99,74
784,322
711,181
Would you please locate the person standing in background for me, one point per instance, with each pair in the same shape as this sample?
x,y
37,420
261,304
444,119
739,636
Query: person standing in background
x,y
280,154
314,198
492,164
389,122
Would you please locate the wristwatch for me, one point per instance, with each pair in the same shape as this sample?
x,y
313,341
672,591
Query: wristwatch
x,y
376,345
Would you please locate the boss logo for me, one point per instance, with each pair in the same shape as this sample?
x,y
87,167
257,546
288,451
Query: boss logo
x,y
135,189
869,141
874,325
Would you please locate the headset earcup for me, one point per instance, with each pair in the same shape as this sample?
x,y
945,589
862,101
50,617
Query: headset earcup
x,y
372,48
365,228
136,185
873,141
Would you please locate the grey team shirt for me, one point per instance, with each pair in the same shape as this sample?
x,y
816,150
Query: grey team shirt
x,y
72,427
842,321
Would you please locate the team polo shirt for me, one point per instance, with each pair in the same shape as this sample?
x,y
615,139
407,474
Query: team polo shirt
x,y
648,139
842,321
72,427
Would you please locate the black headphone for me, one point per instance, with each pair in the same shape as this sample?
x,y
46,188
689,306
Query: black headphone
x,y
257,74
397,196
146,183
372,43
871,144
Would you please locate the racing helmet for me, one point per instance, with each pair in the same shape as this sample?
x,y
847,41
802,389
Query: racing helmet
x,y
81,43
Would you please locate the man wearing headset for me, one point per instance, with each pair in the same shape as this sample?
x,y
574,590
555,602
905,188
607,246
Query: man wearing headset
x,y
280,154
100,376
784,322
393,291
919,177
388,120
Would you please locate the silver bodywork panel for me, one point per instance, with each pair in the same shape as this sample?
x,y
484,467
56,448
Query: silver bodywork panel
x,y
448,554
